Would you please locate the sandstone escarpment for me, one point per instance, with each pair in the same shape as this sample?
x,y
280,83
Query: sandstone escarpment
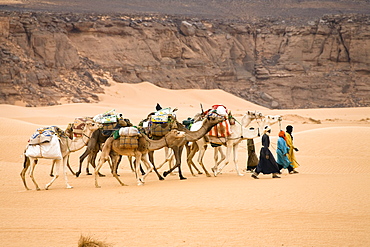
x,y
49,58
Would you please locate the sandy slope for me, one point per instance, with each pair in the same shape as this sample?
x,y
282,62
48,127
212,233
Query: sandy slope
x,y
326,204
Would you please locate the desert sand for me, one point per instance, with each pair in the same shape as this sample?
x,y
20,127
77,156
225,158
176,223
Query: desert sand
x,y
326,204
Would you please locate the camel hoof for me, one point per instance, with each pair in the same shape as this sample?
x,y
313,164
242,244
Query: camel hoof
x,y
78,174
102,175
51,175
240,174
39,188
214,170
165,173
69,187
183,178
140,182
161,178
97,186
88,173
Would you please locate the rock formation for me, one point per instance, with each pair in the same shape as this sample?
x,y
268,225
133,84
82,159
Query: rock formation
x,y
48,58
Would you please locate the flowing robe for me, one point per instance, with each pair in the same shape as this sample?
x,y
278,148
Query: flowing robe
x,y
291,156
267,163
282,151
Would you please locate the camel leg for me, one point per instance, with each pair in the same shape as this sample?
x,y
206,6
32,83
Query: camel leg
x,y
69,167
191,151
146,160
65,165
57,164
26,165
168,158
52,169
82,157
33,164
235,152
137,168
177,151
178,163
202,151
115,160
91,160
103,158
151,165
216,170
118,162
131,164
169,153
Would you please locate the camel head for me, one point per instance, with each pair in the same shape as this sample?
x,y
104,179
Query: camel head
x,y
174,133
270,120
214,118
254,114
90,127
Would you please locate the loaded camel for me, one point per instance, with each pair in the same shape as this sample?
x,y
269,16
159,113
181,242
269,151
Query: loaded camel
x,y
66,147
239,132
113,150
210,120
205,122
94,146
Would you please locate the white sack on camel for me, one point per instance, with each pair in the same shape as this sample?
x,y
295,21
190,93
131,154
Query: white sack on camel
x,y
128,131
48,150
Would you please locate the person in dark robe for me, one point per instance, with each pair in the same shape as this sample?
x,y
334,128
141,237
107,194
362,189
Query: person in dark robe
x,y
267,163
252,161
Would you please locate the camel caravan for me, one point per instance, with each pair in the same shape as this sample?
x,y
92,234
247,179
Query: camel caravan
x,y
115,136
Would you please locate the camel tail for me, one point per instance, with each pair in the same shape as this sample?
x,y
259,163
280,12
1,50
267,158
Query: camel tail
x,y
25,161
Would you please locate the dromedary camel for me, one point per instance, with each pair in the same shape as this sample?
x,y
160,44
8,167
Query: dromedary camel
x,y
94,146
192,136
113,150
265,120
209,120
66,147
239,132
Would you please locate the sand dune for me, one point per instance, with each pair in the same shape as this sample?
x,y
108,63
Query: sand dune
x,y
324,205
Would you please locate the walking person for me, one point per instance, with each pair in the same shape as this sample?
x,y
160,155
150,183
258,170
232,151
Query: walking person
x,y
267,163
292,148
282,152
252,161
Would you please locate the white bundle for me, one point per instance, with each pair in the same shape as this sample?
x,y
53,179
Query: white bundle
x,y
128,131
47,150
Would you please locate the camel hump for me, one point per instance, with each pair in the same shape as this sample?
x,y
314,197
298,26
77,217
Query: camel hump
x,y
143,144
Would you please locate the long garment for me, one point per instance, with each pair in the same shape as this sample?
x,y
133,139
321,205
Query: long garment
x,y
252,156
291,156
267,163
282,151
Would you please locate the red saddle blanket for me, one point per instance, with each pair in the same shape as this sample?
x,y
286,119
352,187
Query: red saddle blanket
x,y
221,129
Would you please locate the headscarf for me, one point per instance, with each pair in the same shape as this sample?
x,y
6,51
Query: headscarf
x,y
282,134
266,129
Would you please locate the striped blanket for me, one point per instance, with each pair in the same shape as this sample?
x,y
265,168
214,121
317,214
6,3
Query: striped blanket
x,y
221,129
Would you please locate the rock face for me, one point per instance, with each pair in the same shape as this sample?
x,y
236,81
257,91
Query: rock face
x,y
49,58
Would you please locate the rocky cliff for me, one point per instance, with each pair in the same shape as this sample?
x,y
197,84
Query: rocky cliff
x,y
51,58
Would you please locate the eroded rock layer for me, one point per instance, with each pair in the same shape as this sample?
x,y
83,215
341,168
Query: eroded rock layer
x,y
50,58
